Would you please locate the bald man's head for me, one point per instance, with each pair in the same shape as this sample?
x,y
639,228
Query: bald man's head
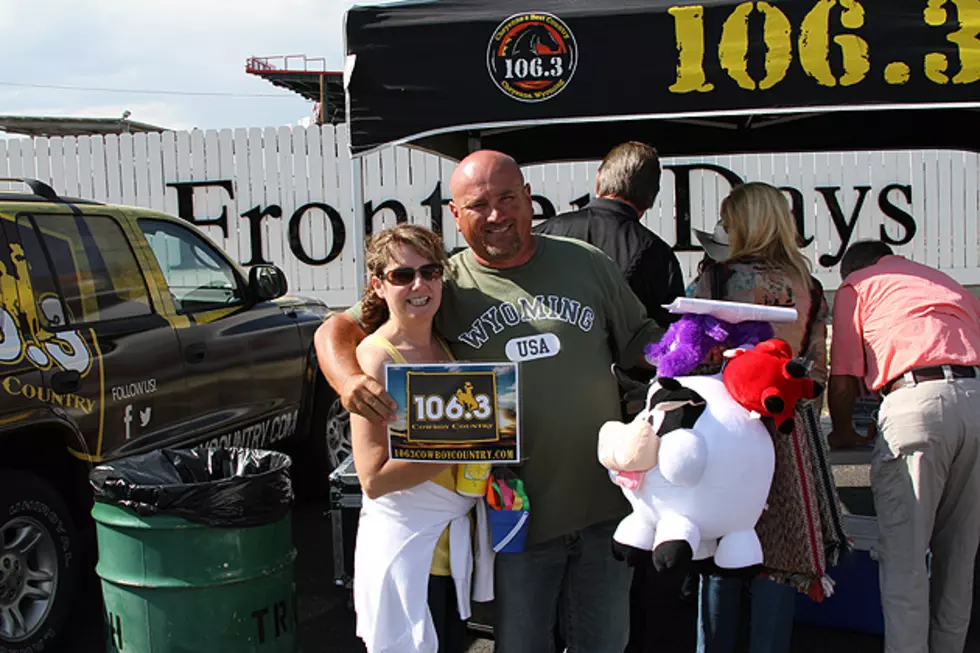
x,y
492,207
479,166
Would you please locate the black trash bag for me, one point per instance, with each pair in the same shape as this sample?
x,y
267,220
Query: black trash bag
x,y
223,487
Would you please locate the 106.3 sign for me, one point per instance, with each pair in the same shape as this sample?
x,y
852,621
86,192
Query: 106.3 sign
x,y
829,31
462,405
457,412
451,407
532,56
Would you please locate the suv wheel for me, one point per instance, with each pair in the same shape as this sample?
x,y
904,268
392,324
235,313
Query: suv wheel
x,y
336,435
327,446
37,572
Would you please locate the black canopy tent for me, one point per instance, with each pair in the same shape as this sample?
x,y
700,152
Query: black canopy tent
x,y
561,80
566,79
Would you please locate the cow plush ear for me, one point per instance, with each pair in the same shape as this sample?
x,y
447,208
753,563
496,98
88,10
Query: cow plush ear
x,y
667,383
667,406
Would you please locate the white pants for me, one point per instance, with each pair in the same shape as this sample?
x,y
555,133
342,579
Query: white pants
x,y
925,475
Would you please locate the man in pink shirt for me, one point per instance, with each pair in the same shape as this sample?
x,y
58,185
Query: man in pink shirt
x,y
913,334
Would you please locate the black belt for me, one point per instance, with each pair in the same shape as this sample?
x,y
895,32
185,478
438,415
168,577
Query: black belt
x,y
920,374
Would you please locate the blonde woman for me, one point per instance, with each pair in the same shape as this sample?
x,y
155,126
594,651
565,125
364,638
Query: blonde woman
x,y
412,562
800,528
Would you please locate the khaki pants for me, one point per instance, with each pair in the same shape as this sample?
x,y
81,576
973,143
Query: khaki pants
x,y
925,475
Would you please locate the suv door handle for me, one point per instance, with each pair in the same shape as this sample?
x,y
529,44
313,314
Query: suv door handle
x,y
195,353
65,382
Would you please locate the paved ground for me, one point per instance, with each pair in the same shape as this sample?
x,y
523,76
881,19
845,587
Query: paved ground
x,y
326,624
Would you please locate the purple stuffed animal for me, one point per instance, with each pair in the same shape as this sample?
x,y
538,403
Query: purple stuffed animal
x,y
688,341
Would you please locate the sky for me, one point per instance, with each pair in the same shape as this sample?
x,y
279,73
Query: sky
x,y
189,46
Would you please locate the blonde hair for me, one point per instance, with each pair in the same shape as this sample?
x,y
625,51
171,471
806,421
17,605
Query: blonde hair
x,y
761,228
374,309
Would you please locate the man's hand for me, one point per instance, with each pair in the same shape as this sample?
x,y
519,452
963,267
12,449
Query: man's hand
x,y
846,438
842,390
362,395
336,342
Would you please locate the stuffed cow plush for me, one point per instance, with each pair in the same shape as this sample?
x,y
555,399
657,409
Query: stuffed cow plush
x,y
696,467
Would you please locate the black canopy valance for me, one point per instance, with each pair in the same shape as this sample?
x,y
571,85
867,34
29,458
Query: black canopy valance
x,y
567,79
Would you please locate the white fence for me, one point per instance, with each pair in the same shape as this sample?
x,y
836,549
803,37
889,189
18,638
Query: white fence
x,y
283,195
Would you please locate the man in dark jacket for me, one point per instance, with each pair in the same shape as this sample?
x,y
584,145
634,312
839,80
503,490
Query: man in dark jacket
x,y
626,186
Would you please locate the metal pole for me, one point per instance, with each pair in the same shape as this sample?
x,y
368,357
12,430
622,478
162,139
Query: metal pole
x,y
357,197
356,179
319,118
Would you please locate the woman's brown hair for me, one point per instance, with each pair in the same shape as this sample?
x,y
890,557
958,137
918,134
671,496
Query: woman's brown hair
x,y
374,310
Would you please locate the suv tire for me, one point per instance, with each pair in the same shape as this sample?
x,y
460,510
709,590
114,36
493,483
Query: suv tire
x,y
336,436
39,562
326,446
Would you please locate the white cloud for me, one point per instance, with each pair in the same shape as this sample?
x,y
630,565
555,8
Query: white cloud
x,y
187,45
508,398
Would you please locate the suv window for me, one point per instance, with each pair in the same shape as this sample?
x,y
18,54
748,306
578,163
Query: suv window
x,y
94,268
38,283
200,278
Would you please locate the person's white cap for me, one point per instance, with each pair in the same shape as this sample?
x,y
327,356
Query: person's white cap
x,y
716,243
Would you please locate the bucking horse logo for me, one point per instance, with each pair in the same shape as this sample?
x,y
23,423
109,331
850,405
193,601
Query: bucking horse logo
x,y
535,40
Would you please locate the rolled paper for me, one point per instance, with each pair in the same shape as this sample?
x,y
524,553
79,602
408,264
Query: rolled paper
x,y
733,312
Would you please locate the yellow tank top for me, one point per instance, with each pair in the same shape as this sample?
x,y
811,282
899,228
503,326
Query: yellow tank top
x,y
445,478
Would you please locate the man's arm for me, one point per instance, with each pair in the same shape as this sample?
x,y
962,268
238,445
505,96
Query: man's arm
x,y
336,342
841,393
628,323
378,474
675,276
656,279
847,366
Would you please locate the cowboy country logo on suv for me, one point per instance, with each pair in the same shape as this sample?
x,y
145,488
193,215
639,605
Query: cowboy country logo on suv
x,y
124,330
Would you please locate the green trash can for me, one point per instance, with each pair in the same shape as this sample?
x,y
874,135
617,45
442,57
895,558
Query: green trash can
x,y
172,585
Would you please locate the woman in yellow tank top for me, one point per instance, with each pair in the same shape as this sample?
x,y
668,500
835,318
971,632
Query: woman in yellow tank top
x,y
406,264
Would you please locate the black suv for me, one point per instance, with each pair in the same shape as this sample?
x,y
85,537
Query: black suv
x,y
124,330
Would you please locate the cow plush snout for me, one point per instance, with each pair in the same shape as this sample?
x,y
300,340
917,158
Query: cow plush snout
x,y
632,447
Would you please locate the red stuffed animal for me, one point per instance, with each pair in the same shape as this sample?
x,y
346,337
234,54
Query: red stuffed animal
x,y
769,381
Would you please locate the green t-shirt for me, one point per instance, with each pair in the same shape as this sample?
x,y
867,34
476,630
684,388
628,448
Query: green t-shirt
x,y
564,316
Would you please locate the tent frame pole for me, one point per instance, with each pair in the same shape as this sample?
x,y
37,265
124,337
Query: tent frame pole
x,y
357,198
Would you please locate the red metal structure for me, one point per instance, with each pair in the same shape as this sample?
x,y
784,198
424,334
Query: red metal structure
x,y
306,76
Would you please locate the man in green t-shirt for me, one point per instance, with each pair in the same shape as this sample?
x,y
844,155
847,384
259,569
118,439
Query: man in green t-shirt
x,y
563,311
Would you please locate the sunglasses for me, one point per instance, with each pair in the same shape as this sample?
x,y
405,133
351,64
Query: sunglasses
x,y
406,275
